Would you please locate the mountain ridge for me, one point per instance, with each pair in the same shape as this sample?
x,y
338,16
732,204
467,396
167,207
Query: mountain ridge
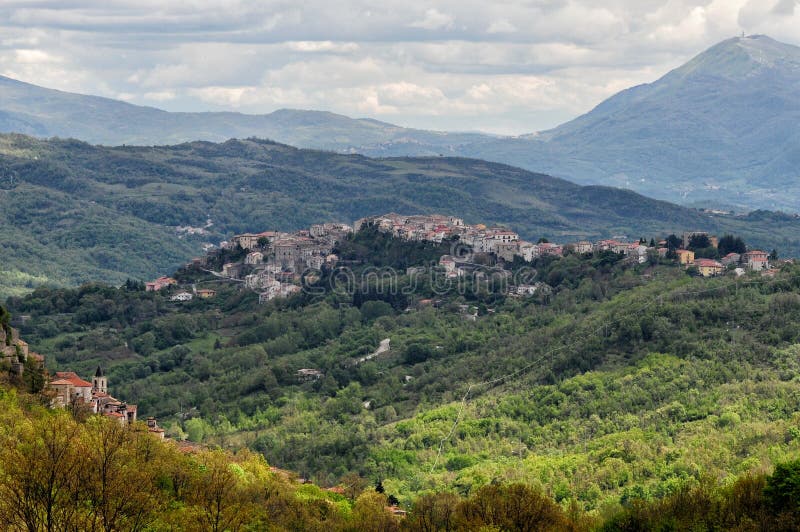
x,y
716,131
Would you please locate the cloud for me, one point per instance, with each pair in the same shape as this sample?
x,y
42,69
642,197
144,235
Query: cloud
x,y
510,66
434,20
501,26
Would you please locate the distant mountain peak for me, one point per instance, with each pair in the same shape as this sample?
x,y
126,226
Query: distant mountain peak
x,y
741,57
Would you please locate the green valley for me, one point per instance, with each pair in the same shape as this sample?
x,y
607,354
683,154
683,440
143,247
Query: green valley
x,y
625,382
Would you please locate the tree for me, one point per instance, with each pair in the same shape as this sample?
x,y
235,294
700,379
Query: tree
x,y
109,475
773,255
783,487
370,514
731,244
417,352
40,481
699,241
511,507
353,484
220,499
434,512
673,242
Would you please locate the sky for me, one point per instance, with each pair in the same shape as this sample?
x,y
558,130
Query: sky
x,y
505,66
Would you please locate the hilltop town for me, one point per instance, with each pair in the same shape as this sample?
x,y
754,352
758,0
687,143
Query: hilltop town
x,y
272,263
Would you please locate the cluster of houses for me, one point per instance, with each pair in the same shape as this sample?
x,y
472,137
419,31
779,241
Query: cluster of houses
x,y
275,260
506,244
69,390
500,241
754,260
14,351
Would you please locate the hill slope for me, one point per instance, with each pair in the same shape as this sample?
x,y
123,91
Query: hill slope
x,y
73,212
717,130
721,128
42,112
621,381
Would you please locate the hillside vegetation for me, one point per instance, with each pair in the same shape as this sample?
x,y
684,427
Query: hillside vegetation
x,y
716,131
623,383
73,213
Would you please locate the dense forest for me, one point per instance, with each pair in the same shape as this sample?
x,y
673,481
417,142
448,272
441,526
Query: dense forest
x,y
616,382
61,470
72,213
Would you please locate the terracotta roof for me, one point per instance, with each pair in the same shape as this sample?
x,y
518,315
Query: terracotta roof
x,y
113,414
60,382
707,263
73,379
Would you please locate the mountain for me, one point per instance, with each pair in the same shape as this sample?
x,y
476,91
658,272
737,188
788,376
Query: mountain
x,y
72,212
33,110
720,129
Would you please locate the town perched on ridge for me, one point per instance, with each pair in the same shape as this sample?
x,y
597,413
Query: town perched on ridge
x,y
272,263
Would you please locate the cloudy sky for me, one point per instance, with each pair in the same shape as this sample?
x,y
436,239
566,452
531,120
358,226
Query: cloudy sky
x,y
503,66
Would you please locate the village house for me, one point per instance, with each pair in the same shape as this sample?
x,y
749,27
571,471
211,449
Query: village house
x,y
15,351
276,291
231,269
731,258
182,296
69,388
206,293
605,245
528,250
251,240
254,257
154,429
756,260
582,247
449,264
159,284
637,252
685,256
507,250
708,267
309,374
548,248
72,391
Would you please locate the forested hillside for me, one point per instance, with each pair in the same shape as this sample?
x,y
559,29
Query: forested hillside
x,y
621,382
73,213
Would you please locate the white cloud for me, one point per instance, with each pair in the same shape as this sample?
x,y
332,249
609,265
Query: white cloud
x,y
323,46
434,20
501,26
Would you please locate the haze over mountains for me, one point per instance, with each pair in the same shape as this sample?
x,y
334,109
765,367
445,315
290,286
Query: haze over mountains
x,y
71,212
719,130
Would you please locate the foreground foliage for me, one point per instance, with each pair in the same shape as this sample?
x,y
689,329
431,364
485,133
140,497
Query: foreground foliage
x,y
58,473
